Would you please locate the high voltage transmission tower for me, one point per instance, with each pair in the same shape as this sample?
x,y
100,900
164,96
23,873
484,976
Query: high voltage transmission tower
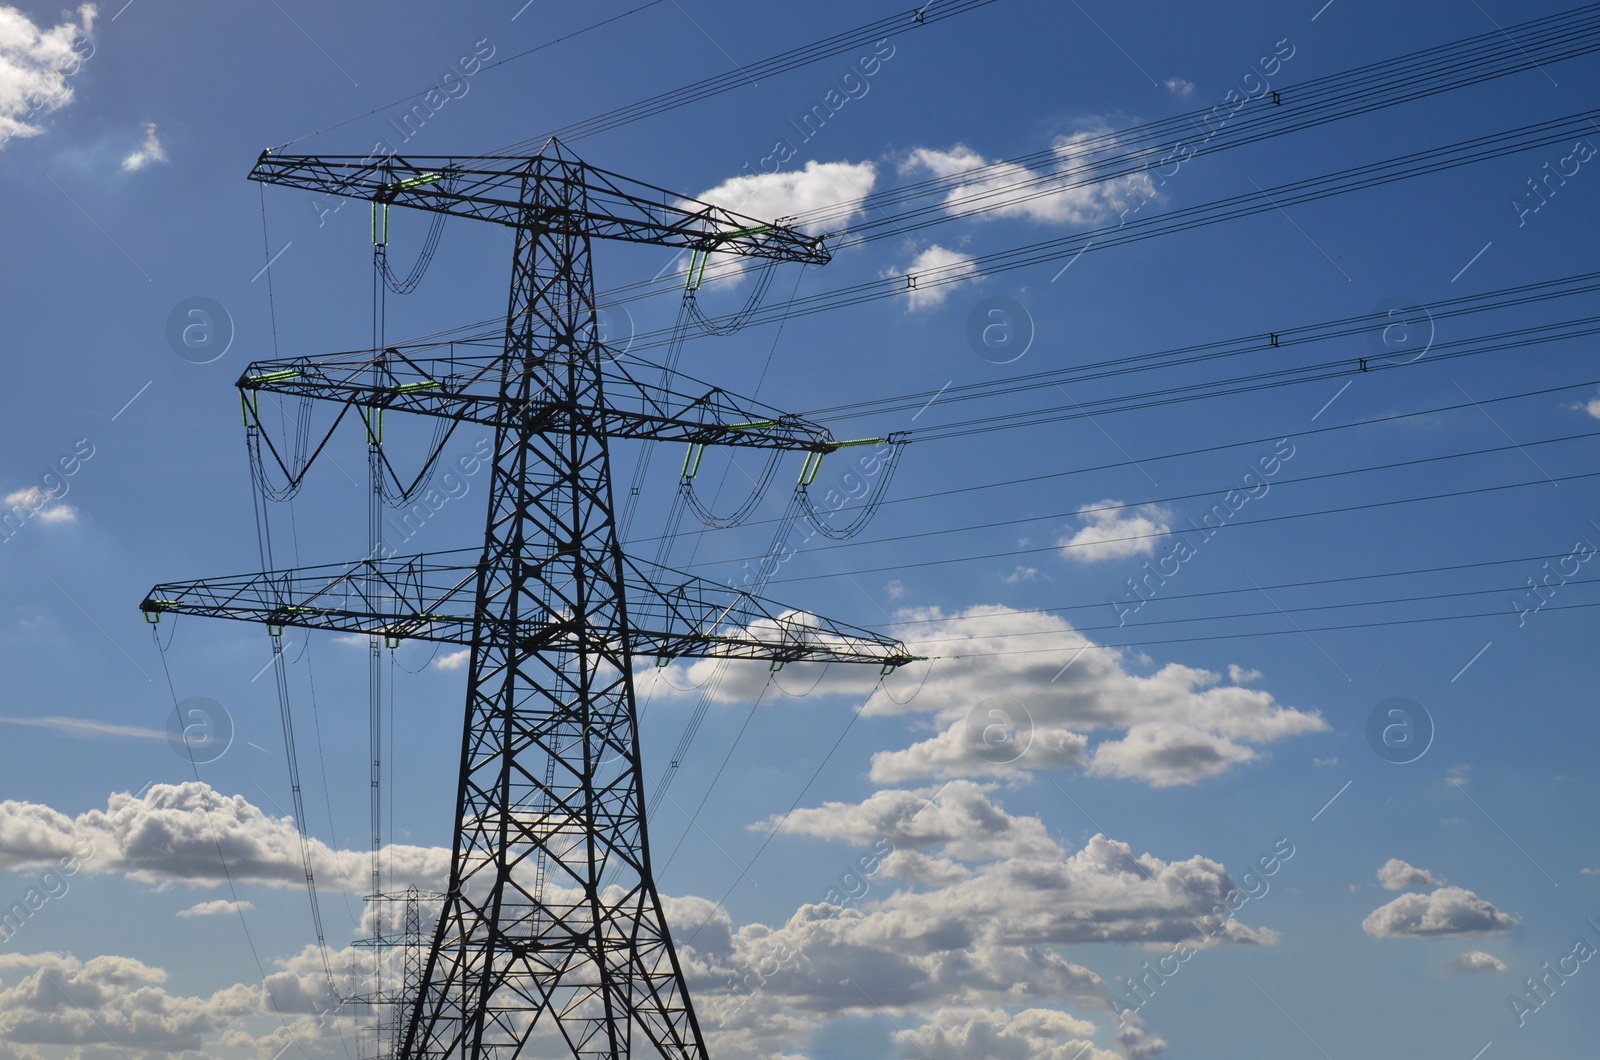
x,y
551,938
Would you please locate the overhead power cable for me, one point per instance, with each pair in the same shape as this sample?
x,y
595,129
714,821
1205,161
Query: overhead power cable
x,y
1169,598
1213,492
508,59
1357,178
1155,146
749,73
1293,631
1232,524
1013,635
1407,77
1087,160
1274,342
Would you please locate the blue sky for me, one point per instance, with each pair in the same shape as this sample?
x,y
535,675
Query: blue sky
x,y
1186,592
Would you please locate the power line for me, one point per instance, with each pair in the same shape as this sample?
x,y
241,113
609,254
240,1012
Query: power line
x,y
1298,106
1300,631
1164,598
1357,178
747,73
1210,492
482,69
1261,521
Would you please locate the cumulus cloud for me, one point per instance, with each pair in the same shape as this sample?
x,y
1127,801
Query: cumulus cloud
x,y
1175,726
964,954
957,819
1116,530
35,67
62,1001
826,195
931,274
1179,87
148,152
994,1034
1592,406
220,907
970,949
1168,753
1059,191
455,660
1069,703
1448,911
1018,880
1396,875
1113,530
41,505
834,189
173,832
1475,962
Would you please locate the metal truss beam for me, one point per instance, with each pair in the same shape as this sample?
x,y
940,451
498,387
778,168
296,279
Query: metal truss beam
x,y
432,597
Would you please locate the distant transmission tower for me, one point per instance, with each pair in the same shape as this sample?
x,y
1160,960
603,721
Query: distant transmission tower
x,y
551,939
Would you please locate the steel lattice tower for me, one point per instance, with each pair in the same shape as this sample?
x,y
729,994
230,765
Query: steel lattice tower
x,y
551,939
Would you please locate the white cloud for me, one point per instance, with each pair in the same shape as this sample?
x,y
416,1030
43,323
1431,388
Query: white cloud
x,y
1179,87
931,275
911,959
172,834
1113,530
839,187
35,65
62,1001
1136,1042
1475,962
1177,725
994,1034
958,819
1396,875
1022,884
1241,676
957,934
895,589
959,751
1448,911
456,660
1020,574
149,151
40,504
831,192
965,954
1586,871
1168,753
1055,193
1592,406
1330,761
220,907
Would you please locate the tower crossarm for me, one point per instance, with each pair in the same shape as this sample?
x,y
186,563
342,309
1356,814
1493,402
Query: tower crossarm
x,y
430,597
491,188
422,597
679,615
464,385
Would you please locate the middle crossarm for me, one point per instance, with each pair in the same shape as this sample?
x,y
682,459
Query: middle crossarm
x,y
464,385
